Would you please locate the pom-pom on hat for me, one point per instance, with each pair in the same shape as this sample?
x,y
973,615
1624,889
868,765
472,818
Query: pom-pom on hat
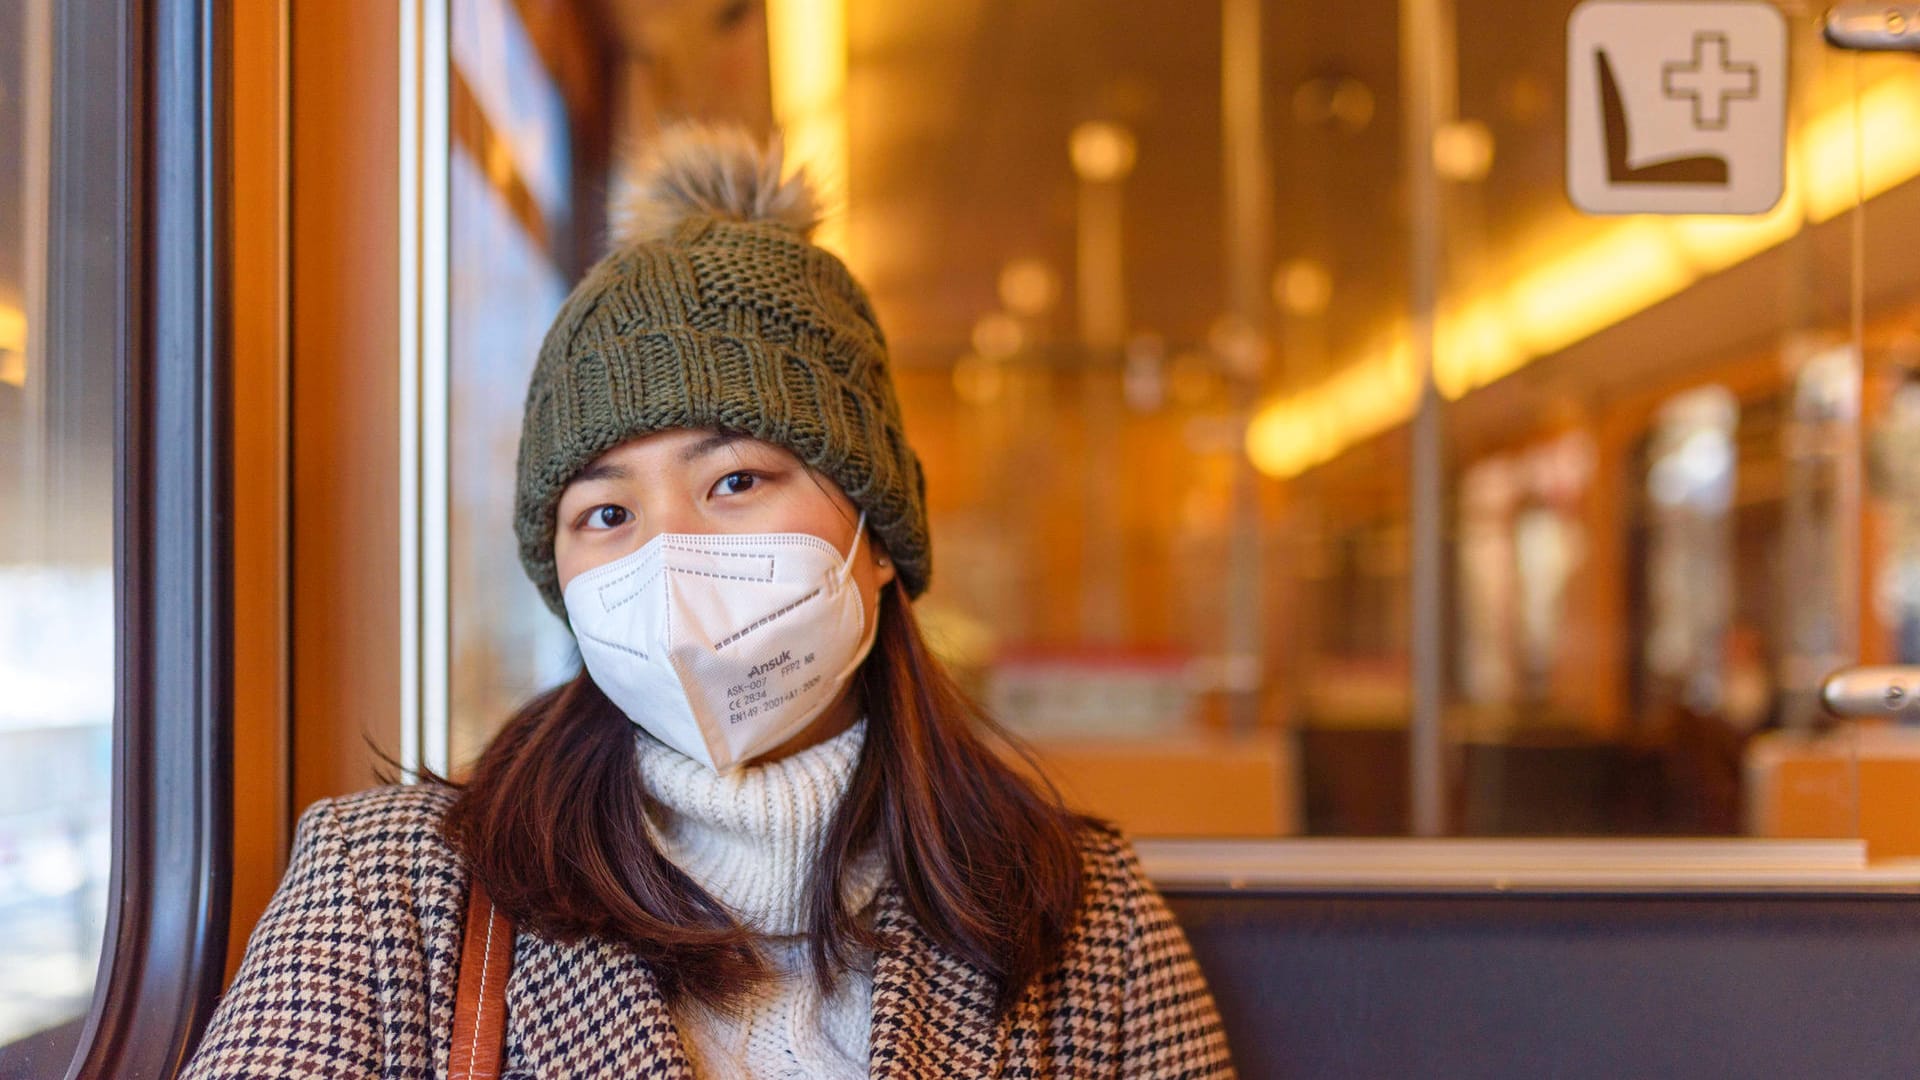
x,y
714,310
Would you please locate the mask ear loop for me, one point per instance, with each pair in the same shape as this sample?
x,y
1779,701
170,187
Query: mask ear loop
x,y
846,565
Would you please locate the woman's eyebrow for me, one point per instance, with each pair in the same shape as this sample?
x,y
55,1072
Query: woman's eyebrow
x,y
708,445
605,470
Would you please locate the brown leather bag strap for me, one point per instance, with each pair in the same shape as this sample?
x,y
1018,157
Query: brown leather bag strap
x,y
480,1003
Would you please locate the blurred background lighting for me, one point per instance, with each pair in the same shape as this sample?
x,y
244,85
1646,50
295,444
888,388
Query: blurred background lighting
x,y
1888,145
1102,152
807,60
13,345
1333,101
1463,150
998,336
1029,287
1303,286
1572,288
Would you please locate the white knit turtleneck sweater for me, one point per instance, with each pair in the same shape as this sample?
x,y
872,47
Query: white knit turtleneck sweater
x,y
750,838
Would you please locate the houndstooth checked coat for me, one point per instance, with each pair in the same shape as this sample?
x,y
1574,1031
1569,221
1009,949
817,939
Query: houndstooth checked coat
x,y
352,971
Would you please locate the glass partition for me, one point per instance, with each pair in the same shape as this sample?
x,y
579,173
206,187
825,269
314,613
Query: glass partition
x,y
1153,292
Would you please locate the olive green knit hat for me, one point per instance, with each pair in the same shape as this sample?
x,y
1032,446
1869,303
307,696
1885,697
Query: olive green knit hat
x,y
713,310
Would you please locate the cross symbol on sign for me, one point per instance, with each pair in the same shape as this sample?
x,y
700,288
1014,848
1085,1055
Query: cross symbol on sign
x,y
1710,80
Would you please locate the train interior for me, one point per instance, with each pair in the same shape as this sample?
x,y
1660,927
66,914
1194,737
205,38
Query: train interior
x,y
1443,475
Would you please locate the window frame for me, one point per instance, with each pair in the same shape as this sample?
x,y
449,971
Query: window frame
x,y
163,958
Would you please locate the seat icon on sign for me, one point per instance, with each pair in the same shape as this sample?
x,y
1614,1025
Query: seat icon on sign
x,y
1693,169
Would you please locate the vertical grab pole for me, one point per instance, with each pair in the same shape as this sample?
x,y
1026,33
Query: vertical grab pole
x,y
1102,155
1427,99
425,623
1249,190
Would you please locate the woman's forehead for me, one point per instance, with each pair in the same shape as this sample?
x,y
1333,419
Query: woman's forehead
x,y
676,447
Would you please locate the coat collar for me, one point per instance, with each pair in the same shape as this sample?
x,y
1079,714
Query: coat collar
x,y
932,1011
588,1008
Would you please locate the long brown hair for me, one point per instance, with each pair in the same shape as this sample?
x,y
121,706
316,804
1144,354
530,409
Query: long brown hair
x,y
552,822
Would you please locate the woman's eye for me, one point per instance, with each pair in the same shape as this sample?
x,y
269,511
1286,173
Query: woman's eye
x,y
735,483
607,517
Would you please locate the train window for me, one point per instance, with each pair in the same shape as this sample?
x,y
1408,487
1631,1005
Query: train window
x,y
58,357
513,249
113,667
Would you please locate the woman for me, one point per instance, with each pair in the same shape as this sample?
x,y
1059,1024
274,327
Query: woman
x,y
806,862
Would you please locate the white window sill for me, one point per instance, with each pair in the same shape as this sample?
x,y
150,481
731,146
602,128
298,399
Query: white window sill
x,y
1526,866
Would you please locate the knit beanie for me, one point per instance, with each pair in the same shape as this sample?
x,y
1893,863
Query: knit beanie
x,y
714,310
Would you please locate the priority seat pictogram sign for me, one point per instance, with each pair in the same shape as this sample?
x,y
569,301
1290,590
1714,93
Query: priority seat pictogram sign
x,y
1676,108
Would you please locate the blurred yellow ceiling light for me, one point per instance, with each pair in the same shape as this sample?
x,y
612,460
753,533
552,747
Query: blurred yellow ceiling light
x,y
1711,244
1368,397
1102,152
1473,348
1303,286
1463,150
1029,287
807,60
1284,439
1889,145
13,345
998,336
1624,270
1596,283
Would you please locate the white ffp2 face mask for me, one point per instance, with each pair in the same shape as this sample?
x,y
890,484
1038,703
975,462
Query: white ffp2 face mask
x,y
723,646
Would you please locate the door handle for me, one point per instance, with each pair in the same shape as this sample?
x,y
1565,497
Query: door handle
x,y
1870,27
1865,692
